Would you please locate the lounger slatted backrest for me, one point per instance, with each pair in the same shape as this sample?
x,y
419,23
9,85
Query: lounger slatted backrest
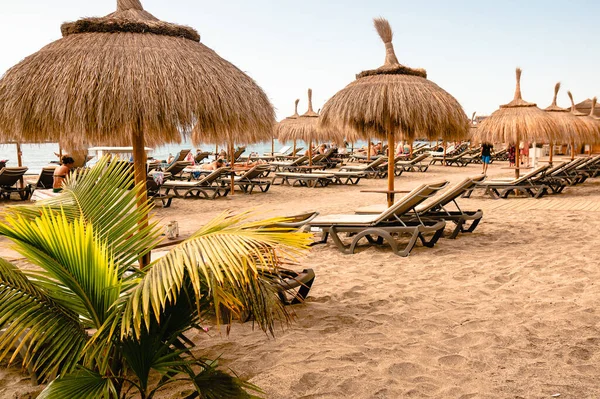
x,y
534,173
417,159
201,157
299,161
181,155
9,176
376,163
284,150
177,167
451,194
213,176
557,168
46,178
410,201
254,172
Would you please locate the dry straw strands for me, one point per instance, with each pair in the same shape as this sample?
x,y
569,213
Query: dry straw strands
x,y
129,72
517,121
570,128
306,127
395,99
590,122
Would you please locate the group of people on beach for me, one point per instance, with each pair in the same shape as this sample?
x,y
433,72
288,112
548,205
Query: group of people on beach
x,y
523,152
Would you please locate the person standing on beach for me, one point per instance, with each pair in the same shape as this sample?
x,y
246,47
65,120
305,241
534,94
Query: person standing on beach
x,y
511,154
486,156
61,173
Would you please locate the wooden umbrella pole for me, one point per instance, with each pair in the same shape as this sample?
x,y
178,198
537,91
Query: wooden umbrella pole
x,y
59,152
391,165
517,156
551,153
445,146
369,150
20,163
272,146
310,151
411,149
572,149
232,157
216,151
139,173
294,151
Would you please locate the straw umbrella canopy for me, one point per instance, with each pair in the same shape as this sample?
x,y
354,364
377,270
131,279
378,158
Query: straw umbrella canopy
x,y
129,78
306,128
589,121
570,128
518,121
394,102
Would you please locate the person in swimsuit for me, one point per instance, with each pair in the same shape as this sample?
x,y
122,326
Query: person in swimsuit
x,y
61,173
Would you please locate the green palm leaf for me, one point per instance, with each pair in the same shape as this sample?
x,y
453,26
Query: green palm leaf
x,y
104,196
83,384
223,261
32,323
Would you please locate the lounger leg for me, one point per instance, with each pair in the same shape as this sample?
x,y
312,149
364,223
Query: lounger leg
x,y
380,233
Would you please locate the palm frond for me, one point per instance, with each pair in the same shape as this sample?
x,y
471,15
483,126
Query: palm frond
x,y
49,335
223,261
83,384
106,197
72,253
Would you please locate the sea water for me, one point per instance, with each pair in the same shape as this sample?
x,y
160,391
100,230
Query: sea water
x,y
36,156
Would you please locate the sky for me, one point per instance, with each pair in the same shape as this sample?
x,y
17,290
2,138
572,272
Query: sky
x,y
469,48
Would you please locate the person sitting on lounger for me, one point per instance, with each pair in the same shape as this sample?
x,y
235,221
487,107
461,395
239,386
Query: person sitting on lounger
x,y
214,165
61,173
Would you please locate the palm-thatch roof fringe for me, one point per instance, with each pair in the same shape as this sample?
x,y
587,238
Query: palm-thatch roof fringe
x,y
570,128
167,87
416,107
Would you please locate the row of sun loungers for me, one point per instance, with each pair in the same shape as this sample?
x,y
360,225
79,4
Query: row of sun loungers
x,y
421,215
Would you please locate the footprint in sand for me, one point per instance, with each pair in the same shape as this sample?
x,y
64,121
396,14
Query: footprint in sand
x,y
405,369
453,361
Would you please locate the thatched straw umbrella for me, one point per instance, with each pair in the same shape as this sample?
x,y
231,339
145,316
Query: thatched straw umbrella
x,y
570,128
593,128
394,102
517,121
129,78
281,125
306,128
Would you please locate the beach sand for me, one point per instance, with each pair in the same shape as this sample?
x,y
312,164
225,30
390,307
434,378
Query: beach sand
x,y
508,311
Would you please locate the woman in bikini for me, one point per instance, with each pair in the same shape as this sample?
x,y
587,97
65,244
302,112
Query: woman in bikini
x,y
61,173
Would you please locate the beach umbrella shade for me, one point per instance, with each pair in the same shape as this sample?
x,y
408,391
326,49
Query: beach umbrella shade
x,y
394,102
130,78
306,127
591,123
570,128
517,121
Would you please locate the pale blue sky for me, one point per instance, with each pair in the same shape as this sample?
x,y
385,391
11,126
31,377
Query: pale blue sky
x,y
469,48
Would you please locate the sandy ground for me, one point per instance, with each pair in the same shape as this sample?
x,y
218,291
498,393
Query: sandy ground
x,y
505,312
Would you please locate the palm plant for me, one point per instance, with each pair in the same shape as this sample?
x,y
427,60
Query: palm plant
x,y
94,326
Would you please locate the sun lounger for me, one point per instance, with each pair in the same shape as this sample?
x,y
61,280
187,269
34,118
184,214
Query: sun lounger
x,y
279,166
9,177
387,226
284,151
436,208
304,179
344,177
373,169
529,184
208,187
46,178
254,177
176,169
450,160
413,165
198,158
154,194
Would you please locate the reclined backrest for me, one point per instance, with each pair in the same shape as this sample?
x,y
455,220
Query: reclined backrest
x,y
181,155
378,162
534,173
213,176
177,166
254,172
410,201
556,168
9,176
46,178
419,158
452,193
300,160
